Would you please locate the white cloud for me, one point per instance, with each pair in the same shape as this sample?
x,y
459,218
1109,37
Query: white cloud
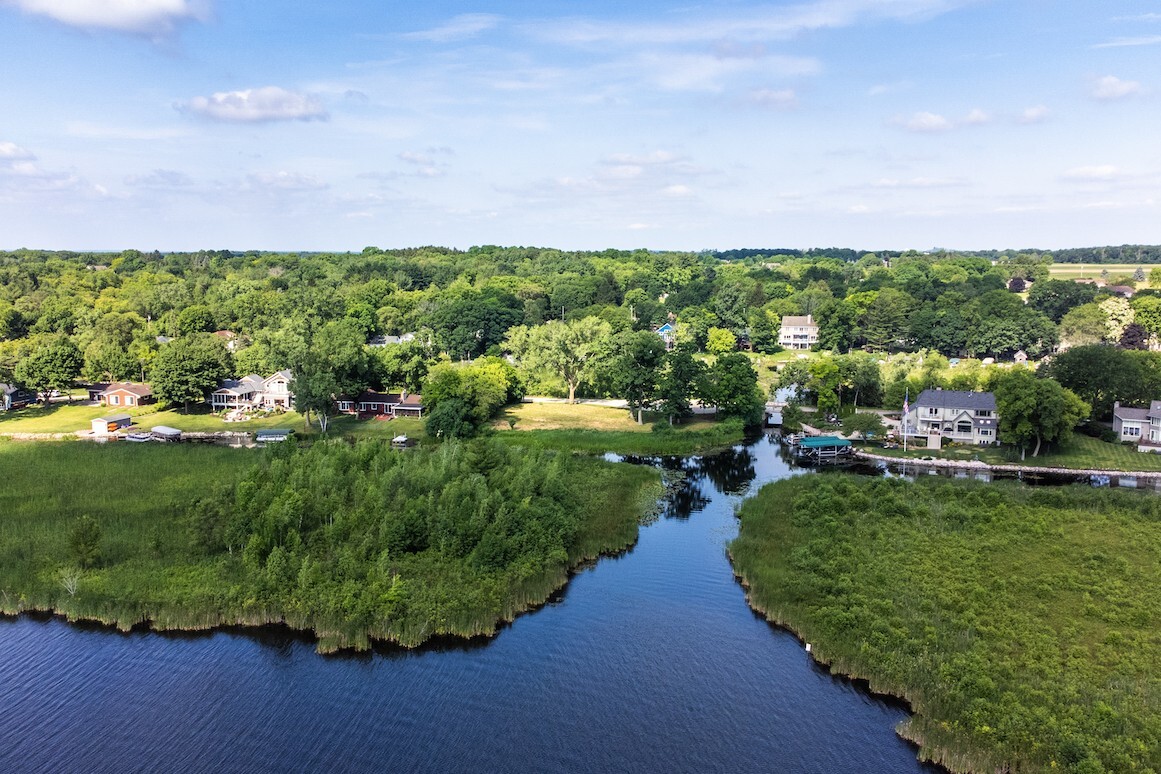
x,y
1099,172
919,183
781,99
706,72
152,18
977,116
929,123
10,151
767,23
1144,40
1111,87
269,103
462,27
1034,115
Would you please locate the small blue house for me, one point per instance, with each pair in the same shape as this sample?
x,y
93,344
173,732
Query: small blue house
x,y
668,334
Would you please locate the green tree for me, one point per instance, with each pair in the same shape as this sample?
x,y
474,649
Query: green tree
x,y
186,369
85,542
573,350
1100,374
1035,410
720,341
52,367
732,385
635,369
675,388
1083,325
865,425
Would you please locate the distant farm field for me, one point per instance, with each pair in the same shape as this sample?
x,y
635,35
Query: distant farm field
x,y
1093,270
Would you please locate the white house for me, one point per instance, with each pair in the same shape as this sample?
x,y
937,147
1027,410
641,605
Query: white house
x,y
1138,425
668,334
253,391
954,415
798,332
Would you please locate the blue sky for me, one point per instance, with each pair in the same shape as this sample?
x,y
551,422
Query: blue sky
x,y
876,124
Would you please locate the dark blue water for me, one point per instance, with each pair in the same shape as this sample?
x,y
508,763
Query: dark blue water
x,y
647,662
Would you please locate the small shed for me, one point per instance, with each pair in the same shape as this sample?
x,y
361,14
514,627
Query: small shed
x,y
163,433
1020,358
111,424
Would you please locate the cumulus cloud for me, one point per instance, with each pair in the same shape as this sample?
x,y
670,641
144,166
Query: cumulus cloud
x,y
929,123
269,103
462,27
780,99
1034,115
152,18
977,116
924,122
10,151
1111,87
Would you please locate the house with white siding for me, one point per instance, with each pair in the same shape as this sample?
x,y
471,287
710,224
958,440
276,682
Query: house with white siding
x,y
798,332
954,415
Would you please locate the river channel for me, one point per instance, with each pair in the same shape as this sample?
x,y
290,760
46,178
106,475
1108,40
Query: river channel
x,y
646,662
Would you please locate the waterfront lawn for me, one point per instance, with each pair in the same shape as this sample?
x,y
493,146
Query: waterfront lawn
x,y
597,429
1020,623
1079,452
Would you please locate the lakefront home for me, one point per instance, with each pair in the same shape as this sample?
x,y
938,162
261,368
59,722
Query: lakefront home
x,y
126,394
255,392
798,332
954,415
1139,425
382,404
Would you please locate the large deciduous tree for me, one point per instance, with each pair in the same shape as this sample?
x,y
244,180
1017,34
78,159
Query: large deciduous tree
x,y
572,350
186,369
635,369
51,367
1035,410
732,385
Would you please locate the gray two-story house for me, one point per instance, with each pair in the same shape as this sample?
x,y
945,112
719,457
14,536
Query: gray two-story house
x,y
954,415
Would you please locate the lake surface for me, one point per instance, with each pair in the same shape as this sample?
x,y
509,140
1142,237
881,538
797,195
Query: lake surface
x,y
650,661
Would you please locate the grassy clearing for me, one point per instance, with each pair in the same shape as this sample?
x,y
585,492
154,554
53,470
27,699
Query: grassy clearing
x,y
1093,270
1080,452
69,418
598,429
1020,623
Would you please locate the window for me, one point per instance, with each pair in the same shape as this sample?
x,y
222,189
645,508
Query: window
x,y
1132,431
985,433
963,428
114,400
984,413
932,412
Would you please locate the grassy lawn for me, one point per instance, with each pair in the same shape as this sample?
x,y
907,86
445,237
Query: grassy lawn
x,y
1093,270
1080,451
587,428
69,418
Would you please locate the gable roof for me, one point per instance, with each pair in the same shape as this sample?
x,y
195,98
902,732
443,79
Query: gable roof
x,y
1128,414
957,399
140,390
792,320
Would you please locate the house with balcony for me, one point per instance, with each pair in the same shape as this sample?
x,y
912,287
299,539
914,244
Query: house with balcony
x,y
1139,425
254,392
959,416
798,332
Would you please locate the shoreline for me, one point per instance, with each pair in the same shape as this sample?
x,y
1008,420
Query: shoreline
x,y
1003,467
867,683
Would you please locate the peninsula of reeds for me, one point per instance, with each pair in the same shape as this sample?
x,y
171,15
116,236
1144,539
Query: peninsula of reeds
x,y
1020,623
355,542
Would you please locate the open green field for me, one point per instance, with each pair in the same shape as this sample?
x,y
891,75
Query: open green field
x,y
1080,452
1093,270
1020,623
72,417
591,428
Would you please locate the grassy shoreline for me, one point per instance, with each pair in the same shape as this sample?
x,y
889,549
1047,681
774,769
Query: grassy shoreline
x,y
152,576
1017,622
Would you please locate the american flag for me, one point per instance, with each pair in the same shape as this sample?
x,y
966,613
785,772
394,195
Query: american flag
x,y
906,395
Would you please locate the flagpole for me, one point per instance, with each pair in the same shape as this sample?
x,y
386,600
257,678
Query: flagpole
x,y
906,395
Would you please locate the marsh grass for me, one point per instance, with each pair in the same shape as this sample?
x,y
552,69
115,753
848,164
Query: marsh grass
x,y
1020,623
